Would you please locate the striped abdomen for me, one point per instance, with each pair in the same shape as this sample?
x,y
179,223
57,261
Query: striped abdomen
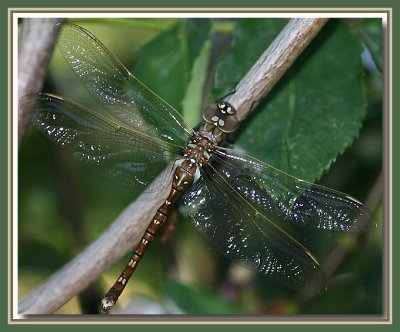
x,y
183,178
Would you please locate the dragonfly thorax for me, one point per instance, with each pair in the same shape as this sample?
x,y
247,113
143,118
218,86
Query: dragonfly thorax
x,y
197,151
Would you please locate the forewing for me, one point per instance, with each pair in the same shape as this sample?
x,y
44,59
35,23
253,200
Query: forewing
x,y
116,152
243,234
114,87
281,197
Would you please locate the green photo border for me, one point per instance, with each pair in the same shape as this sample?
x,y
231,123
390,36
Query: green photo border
x,y
172,5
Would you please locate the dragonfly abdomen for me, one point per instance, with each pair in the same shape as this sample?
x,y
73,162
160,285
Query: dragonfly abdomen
x,y
183,178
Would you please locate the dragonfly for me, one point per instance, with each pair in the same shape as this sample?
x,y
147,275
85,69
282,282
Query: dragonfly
x,y
238,203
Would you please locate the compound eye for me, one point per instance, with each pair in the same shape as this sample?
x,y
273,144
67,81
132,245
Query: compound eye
x,y
210,112
230,124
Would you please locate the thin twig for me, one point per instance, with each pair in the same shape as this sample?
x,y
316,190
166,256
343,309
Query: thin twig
x,y
127,229
35,47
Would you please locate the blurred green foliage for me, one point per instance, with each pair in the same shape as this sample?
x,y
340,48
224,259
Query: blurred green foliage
x,y
326,112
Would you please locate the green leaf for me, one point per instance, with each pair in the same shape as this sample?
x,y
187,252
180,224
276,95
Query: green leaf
x,y
195,301
165,63
315,111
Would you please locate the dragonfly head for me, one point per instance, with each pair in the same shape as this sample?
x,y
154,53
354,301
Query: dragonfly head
x,y
221,115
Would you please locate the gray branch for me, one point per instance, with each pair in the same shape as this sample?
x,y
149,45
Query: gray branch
x,y
35,46
126,231
273,63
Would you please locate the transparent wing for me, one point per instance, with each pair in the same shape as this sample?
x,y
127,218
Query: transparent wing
x,y
240,232
116,152
281,197
114,87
